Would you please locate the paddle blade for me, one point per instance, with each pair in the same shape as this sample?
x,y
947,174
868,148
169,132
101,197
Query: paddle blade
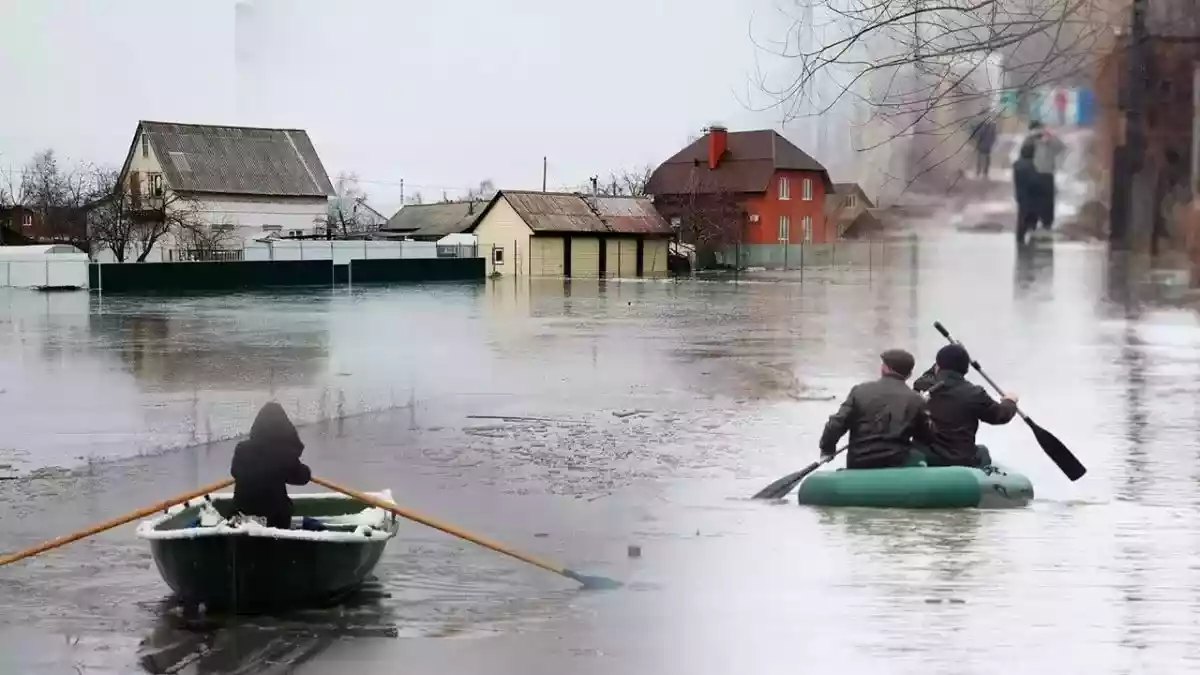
x,y
780,488
592,582
942,329
1057,452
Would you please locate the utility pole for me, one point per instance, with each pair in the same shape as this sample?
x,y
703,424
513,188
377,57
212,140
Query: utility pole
x,y
543,173
401,192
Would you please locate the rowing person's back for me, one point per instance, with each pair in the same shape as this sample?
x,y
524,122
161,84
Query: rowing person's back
x,y
957,406
265,464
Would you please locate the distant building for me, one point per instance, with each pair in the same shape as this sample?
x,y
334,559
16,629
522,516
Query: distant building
x,y
571,235
240,182
22,225
432,222
844,207
742,188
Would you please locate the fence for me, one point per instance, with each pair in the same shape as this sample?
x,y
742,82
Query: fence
x,y
341,252
204,255
865,253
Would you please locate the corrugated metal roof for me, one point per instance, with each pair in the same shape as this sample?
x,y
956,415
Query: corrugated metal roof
x,y
436,219
571,212
631,215
237,160
751,158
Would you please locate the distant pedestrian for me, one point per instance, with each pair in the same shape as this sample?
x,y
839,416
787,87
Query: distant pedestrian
x,y
984,137
1046,150
1029,193
1060,105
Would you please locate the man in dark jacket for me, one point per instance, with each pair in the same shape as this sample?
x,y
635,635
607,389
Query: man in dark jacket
x,y
957,407
265,464
1029,192
984,136
883,417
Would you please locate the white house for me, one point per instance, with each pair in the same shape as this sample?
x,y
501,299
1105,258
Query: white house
x,y
240,181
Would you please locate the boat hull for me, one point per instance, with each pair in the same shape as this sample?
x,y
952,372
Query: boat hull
x,y
953,487
246,567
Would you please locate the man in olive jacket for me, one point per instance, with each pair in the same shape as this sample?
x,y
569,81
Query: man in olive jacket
x,y
957,407
883,418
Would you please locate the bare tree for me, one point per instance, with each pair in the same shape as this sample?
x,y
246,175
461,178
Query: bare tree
x,y
482,192
56,195
130,223
626,183
348,211
707,217
927,69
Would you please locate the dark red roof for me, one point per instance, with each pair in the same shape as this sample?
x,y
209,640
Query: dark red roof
x,y
751,158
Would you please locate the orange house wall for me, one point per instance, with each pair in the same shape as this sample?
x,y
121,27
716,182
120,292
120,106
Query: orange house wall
x,y
769,207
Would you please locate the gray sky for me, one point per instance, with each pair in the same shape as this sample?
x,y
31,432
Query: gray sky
x,y
440,93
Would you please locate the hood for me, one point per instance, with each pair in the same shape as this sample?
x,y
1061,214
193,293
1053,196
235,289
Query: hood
x,y
273,427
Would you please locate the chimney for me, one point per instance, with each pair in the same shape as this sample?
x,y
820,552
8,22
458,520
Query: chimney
x,y
717,138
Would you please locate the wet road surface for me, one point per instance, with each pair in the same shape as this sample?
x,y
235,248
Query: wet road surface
x,y
574,425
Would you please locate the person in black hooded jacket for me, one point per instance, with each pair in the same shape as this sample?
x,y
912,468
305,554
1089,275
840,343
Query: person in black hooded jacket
x,y
957,407
265,464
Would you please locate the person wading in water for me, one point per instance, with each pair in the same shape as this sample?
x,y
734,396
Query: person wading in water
x,y
957,407
883,418
265,464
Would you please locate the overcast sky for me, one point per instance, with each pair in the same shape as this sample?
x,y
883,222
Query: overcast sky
x,y
440,93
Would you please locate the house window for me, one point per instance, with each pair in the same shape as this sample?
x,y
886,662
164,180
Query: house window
x,y
497,256
154,184
852,200
785,188
145,147
295,233
807,190
676,222
27,220
784,228
806,224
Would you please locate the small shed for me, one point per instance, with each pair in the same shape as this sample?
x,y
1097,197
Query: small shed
x,y
43,267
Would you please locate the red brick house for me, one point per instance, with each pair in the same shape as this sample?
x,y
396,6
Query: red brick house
x,y
743,188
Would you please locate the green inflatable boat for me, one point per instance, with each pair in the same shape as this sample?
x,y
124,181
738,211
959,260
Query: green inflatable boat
x,y
950,487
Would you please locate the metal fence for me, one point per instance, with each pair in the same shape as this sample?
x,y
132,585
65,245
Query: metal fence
x,y
205,255
853,253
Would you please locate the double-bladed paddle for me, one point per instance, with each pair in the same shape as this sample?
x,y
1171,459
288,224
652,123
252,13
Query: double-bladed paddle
x,y
1054,448
780,488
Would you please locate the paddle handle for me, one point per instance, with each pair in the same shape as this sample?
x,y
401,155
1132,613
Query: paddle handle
x,y
975,364
119,520
445,527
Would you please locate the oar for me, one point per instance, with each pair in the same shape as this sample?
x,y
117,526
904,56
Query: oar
x,y
781,487
589,582
120,520
1054,448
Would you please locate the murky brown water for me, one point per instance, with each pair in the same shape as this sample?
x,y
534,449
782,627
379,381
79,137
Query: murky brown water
x,y
658,406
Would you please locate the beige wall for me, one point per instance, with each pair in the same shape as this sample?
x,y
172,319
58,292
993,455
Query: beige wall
x,y
546,256
654,258
504,230
622,257
585,257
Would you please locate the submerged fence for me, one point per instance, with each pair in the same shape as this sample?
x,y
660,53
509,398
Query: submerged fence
x,y
852,253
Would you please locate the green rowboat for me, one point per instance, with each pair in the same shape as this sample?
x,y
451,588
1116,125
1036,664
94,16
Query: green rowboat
x,y
951,487
229,563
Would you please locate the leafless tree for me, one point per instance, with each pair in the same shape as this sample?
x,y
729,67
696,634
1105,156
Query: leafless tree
x,y
130,223
626,183
707,217
347,211
482,192
921,67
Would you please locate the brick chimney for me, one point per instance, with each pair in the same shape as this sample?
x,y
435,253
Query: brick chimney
x,y
718,136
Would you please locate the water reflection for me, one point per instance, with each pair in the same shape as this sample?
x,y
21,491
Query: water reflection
x,y
1033,269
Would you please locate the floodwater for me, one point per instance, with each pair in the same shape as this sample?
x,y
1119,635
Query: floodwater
x,y
576,421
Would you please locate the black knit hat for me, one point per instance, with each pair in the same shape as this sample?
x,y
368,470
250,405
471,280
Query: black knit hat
x,y
898,361
955,358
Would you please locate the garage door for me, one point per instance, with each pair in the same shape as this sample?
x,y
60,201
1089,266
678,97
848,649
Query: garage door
x,y
585,257
654,258
546,256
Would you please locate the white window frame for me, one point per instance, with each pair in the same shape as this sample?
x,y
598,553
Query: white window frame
x,y
785,188
154,185
806,192
806,223
785,229
145,146
26,219
852,200
497,256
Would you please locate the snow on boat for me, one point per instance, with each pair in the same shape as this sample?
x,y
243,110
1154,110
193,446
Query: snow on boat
x,y
208,555
951,487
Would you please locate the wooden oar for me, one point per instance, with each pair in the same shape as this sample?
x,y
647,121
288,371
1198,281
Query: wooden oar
x,y
1054,448
589,582
780,488
120,520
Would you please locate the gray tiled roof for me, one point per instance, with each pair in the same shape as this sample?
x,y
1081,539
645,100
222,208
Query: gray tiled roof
x,y
236,160
435,219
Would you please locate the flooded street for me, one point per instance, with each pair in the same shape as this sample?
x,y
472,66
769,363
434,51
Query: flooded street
x,y
573,421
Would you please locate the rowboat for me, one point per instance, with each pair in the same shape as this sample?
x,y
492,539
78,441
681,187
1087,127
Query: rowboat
x,y
920,487
209,555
